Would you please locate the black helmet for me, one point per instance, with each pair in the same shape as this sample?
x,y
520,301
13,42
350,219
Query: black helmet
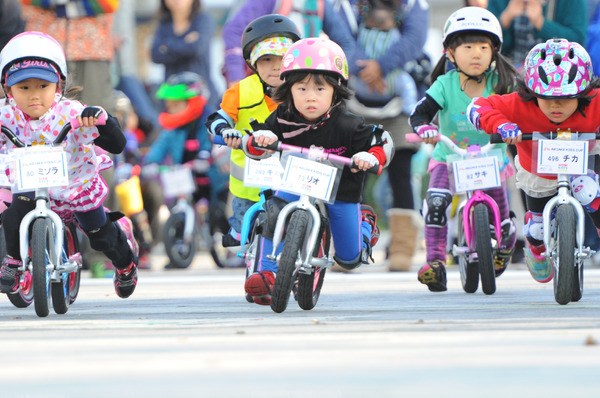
x,y
262,28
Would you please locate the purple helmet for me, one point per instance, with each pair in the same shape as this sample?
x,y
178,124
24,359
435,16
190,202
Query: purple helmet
x,y
558,69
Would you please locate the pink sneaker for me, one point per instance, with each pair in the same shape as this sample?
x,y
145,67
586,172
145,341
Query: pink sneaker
x,y
260,286
127,228
539,267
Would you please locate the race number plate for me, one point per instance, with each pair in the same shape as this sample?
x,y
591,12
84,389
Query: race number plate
x,y
562,157
476,173
177,181
40,167
305,177
265,173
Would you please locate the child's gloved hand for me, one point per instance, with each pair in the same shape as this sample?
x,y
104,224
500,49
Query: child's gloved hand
x,y
264,137
90,115
510,132
232,137
428,133
364,161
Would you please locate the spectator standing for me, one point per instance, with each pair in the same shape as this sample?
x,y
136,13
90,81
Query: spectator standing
x,y
182,41
11,22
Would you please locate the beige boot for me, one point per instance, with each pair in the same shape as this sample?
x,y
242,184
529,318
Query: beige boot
x,y
404,228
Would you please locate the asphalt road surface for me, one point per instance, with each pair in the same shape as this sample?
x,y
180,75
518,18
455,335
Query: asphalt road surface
x,y
190,333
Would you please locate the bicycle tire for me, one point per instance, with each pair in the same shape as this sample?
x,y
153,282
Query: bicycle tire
x,y
40,245
565,270
24,297
469,271
286,272
483,246
219,226
578,283
309,285
73,247
180,253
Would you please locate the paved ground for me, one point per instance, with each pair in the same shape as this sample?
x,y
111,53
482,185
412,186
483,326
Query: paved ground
x,y
372,334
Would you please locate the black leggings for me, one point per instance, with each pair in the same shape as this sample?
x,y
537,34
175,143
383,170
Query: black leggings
x,y
399,175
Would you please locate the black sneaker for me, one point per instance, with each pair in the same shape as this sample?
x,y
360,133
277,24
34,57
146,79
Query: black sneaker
x,y
433,274
10,276
229,241
125,280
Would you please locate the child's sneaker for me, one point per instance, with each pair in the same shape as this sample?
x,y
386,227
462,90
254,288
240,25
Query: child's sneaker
x,y
433,274
10,276
260,286
125,280
368,215
506,246
127,228
539,267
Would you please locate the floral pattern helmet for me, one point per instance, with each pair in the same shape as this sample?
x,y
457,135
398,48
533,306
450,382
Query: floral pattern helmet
x,y
315,54
558,69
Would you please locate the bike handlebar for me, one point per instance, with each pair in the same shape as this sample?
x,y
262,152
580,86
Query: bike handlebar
x,y
413,138
279,146
497,138
73,124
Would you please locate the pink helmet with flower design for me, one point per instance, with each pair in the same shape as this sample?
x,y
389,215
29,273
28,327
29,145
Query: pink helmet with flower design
x,y
558,69
315,54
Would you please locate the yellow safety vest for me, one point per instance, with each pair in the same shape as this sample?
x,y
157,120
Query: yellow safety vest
x,y
252,106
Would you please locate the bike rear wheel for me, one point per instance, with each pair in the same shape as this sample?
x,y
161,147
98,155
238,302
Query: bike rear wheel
x,y
309,285
41,243
72,247
469,271
180,252
483,245
565,271
286,272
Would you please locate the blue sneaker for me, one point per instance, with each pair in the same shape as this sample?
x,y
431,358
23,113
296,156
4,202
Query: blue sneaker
x,y
539,267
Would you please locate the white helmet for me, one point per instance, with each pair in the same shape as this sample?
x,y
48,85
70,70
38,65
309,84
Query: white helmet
x,y
33,45
473,19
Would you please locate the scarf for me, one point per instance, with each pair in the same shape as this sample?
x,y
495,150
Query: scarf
x,y
193,111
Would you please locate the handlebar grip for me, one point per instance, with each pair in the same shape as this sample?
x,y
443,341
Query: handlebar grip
x,y
218,140
101,121
276,146
496,139
414,137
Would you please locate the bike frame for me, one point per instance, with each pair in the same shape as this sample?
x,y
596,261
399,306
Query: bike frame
x,y
304,203
473,197
42,210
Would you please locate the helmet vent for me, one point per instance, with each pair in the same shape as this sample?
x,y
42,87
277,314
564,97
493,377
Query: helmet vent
x,y
543,53
485,19
572,73
543,76
571,53
556,59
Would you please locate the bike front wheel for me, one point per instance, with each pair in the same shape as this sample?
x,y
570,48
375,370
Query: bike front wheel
x,y
180,251
309,285
483,245
286,272
564,260
41,241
